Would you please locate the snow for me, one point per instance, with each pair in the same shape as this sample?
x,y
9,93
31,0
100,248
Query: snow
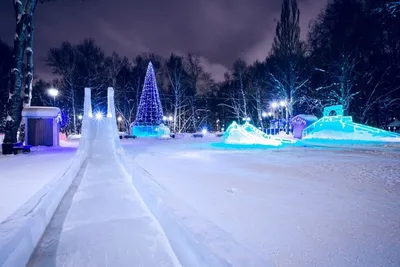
x,y
292,206
355,136
22,176
192,202
21,231
51,112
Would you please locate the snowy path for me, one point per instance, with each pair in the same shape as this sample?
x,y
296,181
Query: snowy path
x,y
293,207
102,221
18,185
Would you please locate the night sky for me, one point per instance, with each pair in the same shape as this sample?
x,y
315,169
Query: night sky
x,y
220,30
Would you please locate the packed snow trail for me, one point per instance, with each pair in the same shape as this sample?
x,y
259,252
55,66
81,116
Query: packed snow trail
x,y
102,220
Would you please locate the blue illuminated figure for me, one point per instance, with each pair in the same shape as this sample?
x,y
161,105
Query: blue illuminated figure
x,y
148,122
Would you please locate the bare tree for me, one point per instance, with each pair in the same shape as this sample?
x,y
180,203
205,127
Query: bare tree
x,y
63,62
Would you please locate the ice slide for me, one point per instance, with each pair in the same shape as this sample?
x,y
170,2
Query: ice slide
x,y
248,134
102,220
343,128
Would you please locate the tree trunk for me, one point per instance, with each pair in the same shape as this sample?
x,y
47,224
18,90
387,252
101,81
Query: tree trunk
x,y
73,110
193,116
30,10
14,102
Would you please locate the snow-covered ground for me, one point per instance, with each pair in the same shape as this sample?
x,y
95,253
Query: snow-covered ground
x,y
21,176
295,206
197,202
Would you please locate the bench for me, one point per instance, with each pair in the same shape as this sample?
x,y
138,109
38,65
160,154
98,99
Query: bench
x,y
19,149
196,135
130,136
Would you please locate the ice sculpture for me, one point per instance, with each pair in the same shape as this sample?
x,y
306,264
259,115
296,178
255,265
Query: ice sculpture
x,y
343,128
99,128
113,120
236,134
254,130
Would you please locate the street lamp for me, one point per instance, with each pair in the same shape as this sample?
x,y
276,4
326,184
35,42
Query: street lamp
x,y
53,92
282,103
80,117
170,118
264,114
119,119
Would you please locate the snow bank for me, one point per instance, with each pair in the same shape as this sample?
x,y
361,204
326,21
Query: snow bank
x,y
1,138
20,233
74,136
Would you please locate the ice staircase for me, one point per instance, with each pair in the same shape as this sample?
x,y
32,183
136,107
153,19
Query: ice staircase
x,y
343,128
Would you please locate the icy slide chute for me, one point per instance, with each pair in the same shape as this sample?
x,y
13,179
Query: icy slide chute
x,y
248,134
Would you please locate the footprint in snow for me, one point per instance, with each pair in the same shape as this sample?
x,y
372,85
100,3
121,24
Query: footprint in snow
x,y
232,190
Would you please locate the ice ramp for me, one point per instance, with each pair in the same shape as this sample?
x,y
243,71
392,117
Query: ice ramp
x,y
102,220
237,134
254,130
343,128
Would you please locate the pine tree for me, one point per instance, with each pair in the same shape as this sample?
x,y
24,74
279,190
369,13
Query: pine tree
x,y
150,111
288,74
287,37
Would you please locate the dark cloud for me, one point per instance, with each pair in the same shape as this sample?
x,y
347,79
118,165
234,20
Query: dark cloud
x,y
220,30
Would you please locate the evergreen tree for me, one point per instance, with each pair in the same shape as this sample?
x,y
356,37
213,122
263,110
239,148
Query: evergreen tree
x,y
150,111
287,36
287,62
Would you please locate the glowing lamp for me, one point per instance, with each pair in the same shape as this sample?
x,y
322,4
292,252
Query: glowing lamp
x,y
204,131
170,118
274,105
53,92
80,117
264,114
99,116
282,103
119,118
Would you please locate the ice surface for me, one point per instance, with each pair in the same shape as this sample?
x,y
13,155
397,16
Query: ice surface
x,y
343,128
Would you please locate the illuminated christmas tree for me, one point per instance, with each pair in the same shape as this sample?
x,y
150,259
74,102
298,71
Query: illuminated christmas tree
x,y
150,114
150,111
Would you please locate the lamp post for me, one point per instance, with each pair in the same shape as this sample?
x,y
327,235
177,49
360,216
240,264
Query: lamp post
x,y
119,119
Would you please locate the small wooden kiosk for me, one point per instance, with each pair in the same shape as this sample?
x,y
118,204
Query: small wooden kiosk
x,y
42,126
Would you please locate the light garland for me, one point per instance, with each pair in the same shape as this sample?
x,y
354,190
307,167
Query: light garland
x,y
150,111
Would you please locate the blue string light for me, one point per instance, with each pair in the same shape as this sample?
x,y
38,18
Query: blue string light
x,y
150,111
